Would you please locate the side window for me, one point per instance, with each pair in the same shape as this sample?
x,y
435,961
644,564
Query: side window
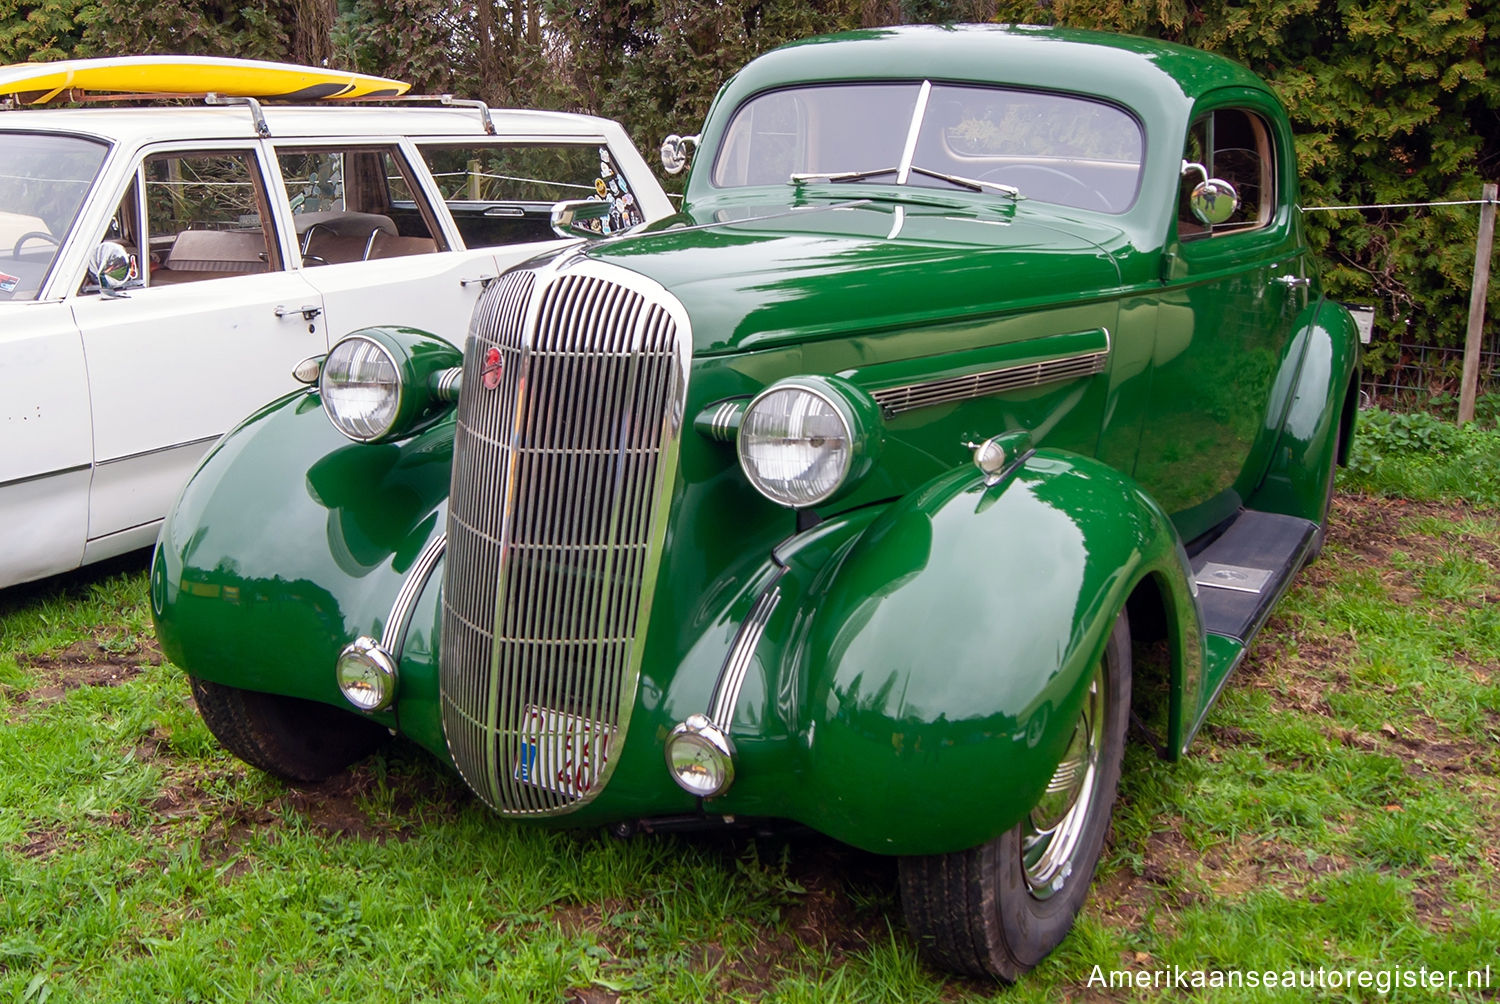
x,y
354,204
206,217
503,193
1235,146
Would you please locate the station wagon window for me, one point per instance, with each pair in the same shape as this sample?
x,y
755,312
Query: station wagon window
x,y
1053,148
503,194
354,204
43,181
1236,146
194,215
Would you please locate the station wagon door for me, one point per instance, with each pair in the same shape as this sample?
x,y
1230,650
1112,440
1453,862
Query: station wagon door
x,y
210,331
369,240
1230,298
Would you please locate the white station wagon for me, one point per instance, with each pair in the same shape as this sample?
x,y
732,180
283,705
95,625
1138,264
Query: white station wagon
x,y
234,242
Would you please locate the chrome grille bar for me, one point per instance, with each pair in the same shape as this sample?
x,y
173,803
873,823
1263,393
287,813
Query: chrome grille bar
x,y
895,400
561,466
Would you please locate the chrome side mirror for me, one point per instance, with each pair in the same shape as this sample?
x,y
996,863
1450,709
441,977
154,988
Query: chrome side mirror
x,y
674,152
1213,200
112,267
581,218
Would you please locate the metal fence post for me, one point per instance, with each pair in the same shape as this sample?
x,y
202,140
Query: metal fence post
x,y
1469,390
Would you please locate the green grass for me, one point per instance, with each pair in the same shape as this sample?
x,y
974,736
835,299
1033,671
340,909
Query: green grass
x,y
1339,810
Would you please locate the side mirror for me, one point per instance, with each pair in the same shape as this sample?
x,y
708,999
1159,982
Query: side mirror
x,y
112,267
674,152
1213,200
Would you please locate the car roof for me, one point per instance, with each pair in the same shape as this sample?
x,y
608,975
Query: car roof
x,y
167,124
1138,72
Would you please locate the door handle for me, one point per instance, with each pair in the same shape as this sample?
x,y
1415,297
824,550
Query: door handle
x,y
1292,281
308,311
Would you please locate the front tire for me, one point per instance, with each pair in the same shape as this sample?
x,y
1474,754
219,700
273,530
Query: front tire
x,y
998,909
294,739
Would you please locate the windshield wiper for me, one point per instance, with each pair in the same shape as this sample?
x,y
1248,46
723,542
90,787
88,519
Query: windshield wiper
x,y
973,184
837,176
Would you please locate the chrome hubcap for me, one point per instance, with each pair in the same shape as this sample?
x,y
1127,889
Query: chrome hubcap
x,y
1055,826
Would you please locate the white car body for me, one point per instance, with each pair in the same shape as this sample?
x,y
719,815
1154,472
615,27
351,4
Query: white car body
x,y
107,403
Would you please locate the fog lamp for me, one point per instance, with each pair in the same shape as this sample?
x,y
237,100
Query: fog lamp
x,y
700,757
366,675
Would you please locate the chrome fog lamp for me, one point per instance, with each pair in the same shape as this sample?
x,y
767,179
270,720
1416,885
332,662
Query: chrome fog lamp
x,y
361,388
802,440
366,674
700,757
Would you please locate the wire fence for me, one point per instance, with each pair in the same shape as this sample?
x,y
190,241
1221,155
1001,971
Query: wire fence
x,y
1421,372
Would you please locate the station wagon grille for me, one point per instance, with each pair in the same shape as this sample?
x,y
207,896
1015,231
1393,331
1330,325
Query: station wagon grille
x,y
568,423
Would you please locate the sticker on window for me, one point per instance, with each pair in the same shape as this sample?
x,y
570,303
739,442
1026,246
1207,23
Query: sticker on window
x,y
8,283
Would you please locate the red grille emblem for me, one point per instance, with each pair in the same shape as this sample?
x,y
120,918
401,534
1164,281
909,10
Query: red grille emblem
x,y
493,370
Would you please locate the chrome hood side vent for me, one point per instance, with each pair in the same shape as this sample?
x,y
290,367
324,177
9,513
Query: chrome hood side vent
x,y
564,458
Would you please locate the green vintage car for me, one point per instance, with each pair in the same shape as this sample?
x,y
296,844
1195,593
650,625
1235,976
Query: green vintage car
x,y
975,354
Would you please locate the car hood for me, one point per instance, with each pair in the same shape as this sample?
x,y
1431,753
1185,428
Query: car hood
x,y
754,277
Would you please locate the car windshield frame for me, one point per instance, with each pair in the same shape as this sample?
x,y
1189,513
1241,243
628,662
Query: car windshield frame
x,y
939,135
38,213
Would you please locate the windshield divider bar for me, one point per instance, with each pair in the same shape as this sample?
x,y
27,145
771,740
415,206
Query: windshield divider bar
x,y
917,114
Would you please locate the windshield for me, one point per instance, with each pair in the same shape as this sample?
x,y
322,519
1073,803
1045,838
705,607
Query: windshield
x,y
43,181
1052,148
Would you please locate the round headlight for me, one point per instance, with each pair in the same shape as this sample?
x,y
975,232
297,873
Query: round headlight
x,y
366,675
700,757
796,445
361,388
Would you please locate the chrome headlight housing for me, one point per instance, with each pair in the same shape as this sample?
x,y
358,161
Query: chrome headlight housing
x,y
366,675
379,384
805,440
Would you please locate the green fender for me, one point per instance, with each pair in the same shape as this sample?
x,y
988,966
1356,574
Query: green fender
x,y
1324,386
288,542
940,662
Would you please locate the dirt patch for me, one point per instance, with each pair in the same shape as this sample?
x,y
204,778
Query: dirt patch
x,y
105,660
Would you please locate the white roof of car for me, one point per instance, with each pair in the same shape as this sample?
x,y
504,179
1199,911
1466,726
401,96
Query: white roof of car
x,y
165,124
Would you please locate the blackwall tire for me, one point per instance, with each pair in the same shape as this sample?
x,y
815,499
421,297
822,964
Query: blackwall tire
x,y
291,738
998,909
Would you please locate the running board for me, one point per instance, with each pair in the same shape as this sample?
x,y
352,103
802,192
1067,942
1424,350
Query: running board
x,y
1240,576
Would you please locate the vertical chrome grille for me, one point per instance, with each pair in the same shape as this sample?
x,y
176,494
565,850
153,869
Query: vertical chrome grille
x,y
560,467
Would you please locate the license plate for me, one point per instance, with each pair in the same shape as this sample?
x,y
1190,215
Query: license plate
x,y
561,752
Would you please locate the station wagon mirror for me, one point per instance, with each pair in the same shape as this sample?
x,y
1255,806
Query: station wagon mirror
x,y
112,267
674,152
1213,200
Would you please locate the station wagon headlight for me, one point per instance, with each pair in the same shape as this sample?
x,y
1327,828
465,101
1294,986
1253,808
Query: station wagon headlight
x,y
801,441
379,384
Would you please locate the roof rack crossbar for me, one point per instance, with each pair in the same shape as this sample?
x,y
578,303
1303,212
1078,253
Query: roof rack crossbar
x,y
261,128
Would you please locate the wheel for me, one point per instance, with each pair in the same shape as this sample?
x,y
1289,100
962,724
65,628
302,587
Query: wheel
x,y
286,736
998,909
41,235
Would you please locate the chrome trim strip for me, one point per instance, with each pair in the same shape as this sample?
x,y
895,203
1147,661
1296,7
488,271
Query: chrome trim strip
x,y
732,677
393,635
909,397
913,133
48,474
205,441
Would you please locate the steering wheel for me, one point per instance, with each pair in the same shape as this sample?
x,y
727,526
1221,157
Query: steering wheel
x,y
28,235
1087,191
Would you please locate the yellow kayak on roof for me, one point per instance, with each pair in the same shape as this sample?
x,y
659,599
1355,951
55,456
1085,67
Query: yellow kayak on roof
x,y
38,83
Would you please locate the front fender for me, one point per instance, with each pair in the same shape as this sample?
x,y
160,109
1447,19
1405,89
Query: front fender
x,y
288,542
943,663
